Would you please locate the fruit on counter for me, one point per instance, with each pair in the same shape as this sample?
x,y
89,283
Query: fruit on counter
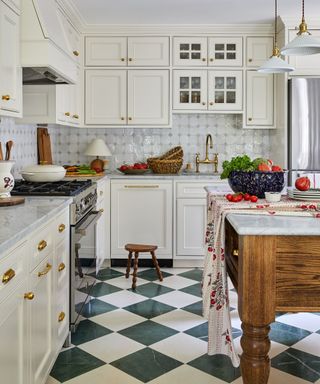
x,y
124,167
276,168
253,199
302,183
236,197
246,197
264,167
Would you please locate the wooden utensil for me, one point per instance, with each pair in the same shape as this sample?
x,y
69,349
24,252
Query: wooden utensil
x,y
9,145
1,153
8,201
44,146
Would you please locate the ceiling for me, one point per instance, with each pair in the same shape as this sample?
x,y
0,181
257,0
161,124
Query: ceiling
x,y
189,11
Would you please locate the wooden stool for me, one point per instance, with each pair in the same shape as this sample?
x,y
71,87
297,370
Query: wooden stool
x,y
136,248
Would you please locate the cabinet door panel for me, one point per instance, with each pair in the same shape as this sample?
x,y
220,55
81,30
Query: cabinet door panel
x,y
260,99
190,51
105,51
225,51
259,49
148,51
105,97
148,97
101,236
191,226
72,38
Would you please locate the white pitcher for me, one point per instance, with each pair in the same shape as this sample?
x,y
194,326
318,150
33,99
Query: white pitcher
x,y
6,178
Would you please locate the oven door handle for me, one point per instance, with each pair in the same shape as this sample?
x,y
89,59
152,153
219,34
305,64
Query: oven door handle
x,y
92,218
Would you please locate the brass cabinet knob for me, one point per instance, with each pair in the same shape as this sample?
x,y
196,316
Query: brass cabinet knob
x,y
42,245
203,103
235,252
61,316
61,228
204,59
76,53
101,210
101,193
45,271
130,118
211,102
75,116
67,113
122,118
130,59
29,296
123,59
211,59
250,118
7,276
250,60
61,267
6,97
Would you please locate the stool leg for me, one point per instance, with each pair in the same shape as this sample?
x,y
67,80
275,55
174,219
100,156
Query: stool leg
x,y
128,264
155,263
135,269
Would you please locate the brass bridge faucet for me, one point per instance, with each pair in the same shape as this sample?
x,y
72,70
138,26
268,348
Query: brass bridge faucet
x,y
214,161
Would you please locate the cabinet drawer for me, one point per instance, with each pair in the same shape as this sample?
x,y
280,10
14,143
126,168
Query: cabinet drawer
x,y
61,226
41,245
12,270
196,190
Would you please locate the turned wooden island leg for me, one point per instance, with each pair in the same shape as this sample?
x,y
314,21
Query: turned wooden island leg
x,y
256,290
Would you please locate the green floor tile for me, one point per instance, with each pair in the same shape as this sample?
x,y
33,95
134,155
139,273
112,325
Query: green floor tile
x,y
107,274
72,363
88,330
148,332
298,363
195,308
286,334
95,307
200,331
146,364
101,289
151,290
149,308
193,290
150,275
219,366
194,274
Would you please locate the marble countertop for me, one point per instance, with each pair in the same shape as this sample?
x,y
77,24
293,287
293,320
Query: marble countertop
x,y
274,225
17,222
175,176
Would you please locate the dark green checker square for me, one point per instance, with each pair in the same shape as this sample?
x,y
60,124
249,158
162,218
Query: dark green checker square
x,y
107,274
194,274
72,363
88,330
200,331
151,290
101,289
95,307
286,334
219,366
151,275
146,364
298,363
195,308
193,290
148,332
149,308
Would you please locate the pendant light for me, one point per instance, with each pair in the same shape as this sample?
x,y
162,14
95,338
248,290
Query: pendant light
x,y
275,64
304,43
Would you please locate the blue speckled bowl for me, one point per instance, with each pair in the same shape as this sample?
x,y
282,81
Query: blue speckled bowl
x,y
256,182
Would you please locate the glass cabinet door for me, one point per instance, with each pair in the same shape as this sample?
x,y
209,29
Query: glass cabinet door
x,y
225,90
190,51
190,90
225,51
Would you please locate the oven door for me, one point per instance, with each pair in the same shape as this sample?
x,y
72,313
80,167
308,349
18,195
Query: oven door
x,y
83,265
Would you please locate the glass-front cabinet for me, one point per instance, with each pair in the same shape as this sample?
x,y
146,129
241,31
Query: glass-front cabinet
x,y
225,51
190,51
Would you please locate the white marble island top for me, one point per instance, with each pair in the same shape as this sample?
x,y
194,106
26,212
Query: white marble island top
x,y
19,221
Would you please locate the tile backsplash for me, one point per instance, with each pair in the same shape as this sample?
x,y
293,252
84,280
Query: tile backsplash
x,y
130,145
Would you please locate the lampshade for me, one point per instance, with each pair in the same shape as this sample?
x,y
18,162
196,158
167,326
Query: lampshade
x,y
98,147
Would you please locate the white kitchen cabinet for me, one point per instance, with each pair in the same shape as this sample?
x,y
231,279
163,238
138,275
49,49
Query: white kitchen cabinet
x,y
105,51
260,100
225,90
225,51
72,37
190,51
148,51
259,49
141,212
10,68
101,235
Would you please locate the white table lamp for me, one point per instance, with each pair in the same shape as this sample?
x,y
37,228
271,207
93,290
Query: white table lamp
x,y
97,148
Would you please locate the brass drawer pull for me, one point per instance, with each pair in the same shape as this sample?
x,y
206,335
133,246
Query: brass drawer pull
x,y
250,118
67,113
6,97
42,245
76,53
141,186
211,59
29,296
101,210
203,103
61,317
204,59
123,59
235,252
75,116
211,102
7,276
130,118
61,228
130,58
250,60
61,267
45,271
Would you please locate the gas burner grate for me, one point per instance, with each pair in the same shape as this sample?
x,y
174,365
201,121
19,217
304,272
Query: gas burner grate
x,y
58,188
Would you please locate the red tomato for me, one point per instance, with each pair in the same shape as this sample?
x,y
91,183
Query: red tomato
x,y
229,197
253,199
264,167
270,162
303,183
276,168
123,168
246,197
237,197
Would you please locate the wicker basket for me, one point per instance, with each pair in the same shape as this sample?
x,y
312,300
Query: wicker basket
x,y
164,166
174,153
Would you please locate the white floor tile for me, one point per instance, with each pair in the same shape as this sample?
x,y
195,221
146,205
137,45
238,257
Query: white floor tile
x,y
186,375
103,375
125,283
51,380
235,319
177,299
118,319
310,344
111,347
176,282
176,271
307,321
275,349
181,347
123,298
179,320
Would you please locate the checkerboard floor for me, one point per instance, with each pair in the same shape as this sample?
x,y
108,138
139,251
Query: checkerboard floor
x,y
156,335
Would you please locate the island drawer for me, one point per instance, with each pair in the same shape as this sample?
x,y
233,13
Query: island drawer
x,y
196,189
61,226
41,245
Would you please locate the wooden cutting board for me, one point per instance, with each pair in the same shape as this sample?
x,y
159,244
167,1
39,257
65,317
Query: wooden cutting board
x,y
7,201
44,146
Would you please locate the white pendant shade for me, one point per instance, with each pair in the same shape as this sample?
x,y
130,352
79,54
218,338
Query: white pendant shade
x,y
303,44
98,148
275,65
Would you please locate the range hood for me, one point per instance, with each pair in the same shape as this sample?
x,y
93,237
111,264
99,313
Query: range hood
x,y
45,51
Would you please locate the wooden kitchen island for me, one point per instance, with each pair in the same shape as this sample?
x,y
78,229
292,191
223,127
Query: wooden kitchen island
x,y
274,264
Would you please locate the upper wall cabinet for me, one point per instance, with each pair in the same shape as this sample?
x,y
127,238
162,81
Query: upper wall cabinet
x,y
203,51
122,51
72,37
259,49
10,69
